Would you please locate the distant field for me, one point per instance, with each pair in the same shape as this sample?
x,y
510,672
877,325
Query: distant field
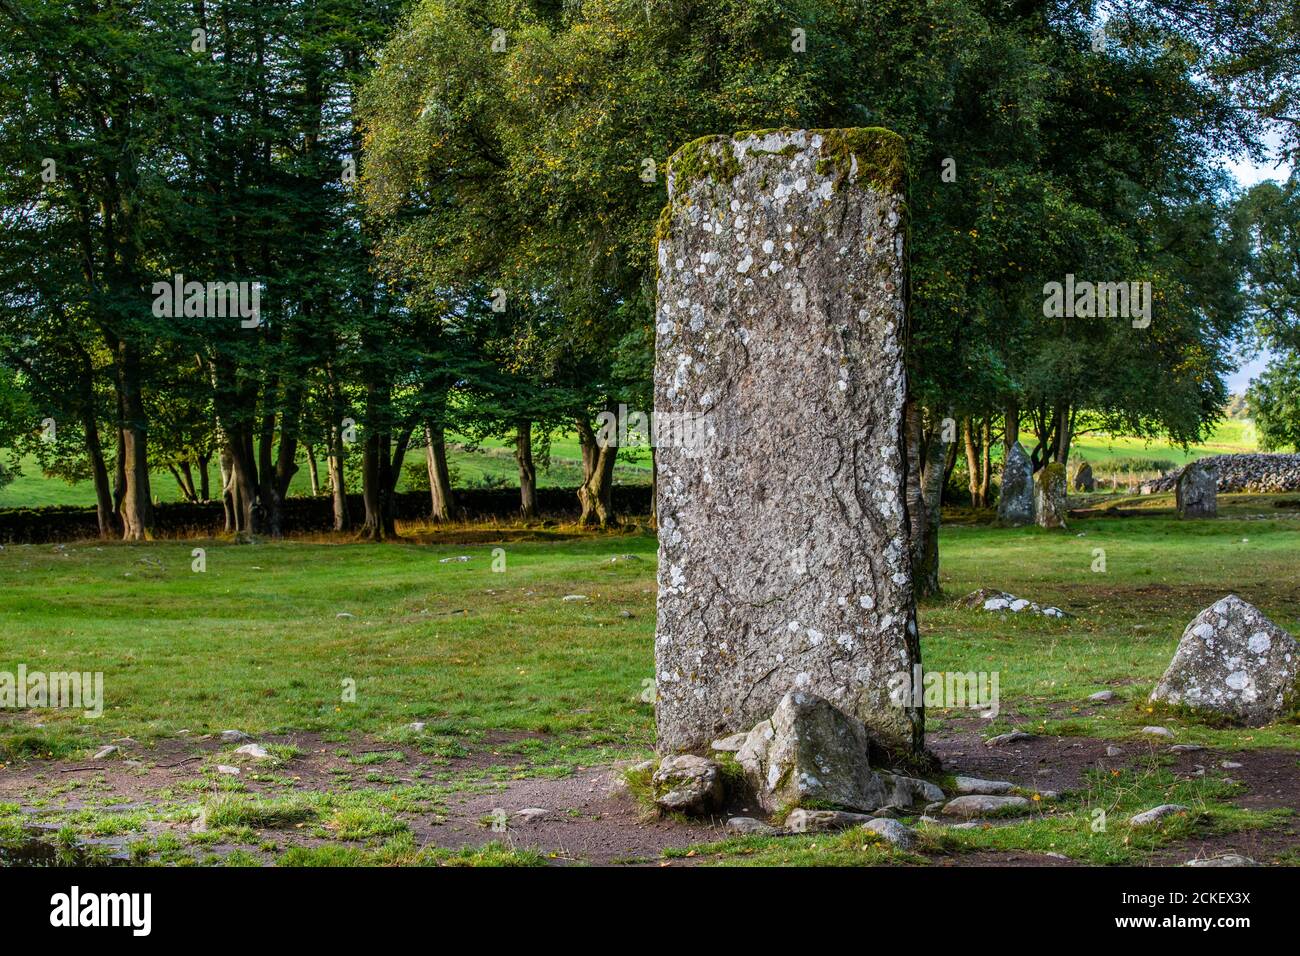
x,y
492,462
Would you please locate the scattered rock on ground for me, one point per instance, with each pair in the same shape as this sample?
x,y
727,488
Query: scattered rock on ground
x,y
688,784
969,785
989,599
820,821
574,597
1014,737
901,836
983,805
1157,731
903,792
749,826
1156,814
1227,859
234,736
1233,661
256,751
227,770
1102,696
107,751
532,814
1185,748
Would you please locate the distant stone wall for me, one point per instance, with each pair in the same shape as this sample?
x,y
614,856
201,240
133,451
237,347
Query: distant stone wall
x,y
1259,473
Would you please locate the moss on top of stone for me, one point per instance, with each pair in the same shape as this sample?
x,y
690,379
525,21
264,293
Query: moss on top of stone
x,y
698,159
881,154
1052,472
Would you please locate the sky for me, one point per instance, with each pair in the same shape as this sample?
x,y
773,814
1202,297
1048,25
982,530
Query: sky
x,y
1248,174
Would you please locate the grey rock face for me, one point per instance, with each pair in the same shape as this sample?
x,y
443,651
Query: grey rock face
x,y
1197,491
810,752
1234,661
1016,497
783,543
980,805
1227,859
688,784
901,836
1050,496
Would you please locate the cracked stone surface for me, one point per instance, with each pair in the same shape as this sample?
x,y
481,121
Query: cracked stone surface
x,y
783,542
1232,660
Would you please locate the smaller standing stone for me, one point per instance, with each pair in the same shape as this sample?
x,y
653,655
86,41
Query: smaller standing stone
x,y
1197,491
1050,496
1083,480
1016,496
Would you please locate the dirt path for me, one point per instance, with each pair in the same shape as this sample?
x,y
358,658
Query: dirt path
x,y
584,816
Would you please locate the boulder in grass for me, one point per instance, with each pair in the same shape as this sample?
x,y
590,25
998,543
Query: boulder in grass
x,y
1234,662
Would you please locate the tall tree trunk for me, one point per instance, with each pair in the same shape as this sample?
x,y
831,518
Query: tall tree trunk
x,y
228,486
596,492
312,470
205,487
137,505
104,511
527,471
338,483
986,479
1011,429
925,554
441,496
972,463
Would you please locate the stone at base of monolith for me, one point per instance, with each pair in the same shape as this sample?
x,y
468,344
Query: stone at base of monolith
x,y
1016,496
779,393
810,754
1235,662
1050,496
1197,491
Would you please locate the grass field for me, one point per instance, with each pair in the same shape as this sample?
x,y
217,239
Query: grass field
x,y
270,637
493,462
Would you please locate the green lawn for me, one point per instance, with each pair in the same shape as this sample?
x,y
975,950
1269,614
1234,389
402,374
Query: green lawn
x,y
257,643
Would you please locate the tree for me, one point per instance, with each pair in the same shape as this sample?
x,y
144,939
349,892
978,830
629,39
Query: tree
x,y
1274,400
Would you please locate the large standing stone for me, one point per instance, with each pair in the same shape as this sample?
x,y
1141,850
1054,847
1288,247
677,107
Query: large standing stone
x,y
1050,496
783,537
1197,491
1233,661
1016,496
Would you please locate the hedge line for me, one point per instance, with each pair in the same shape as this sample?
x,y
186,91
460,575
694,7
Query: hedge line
x,y
179,519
